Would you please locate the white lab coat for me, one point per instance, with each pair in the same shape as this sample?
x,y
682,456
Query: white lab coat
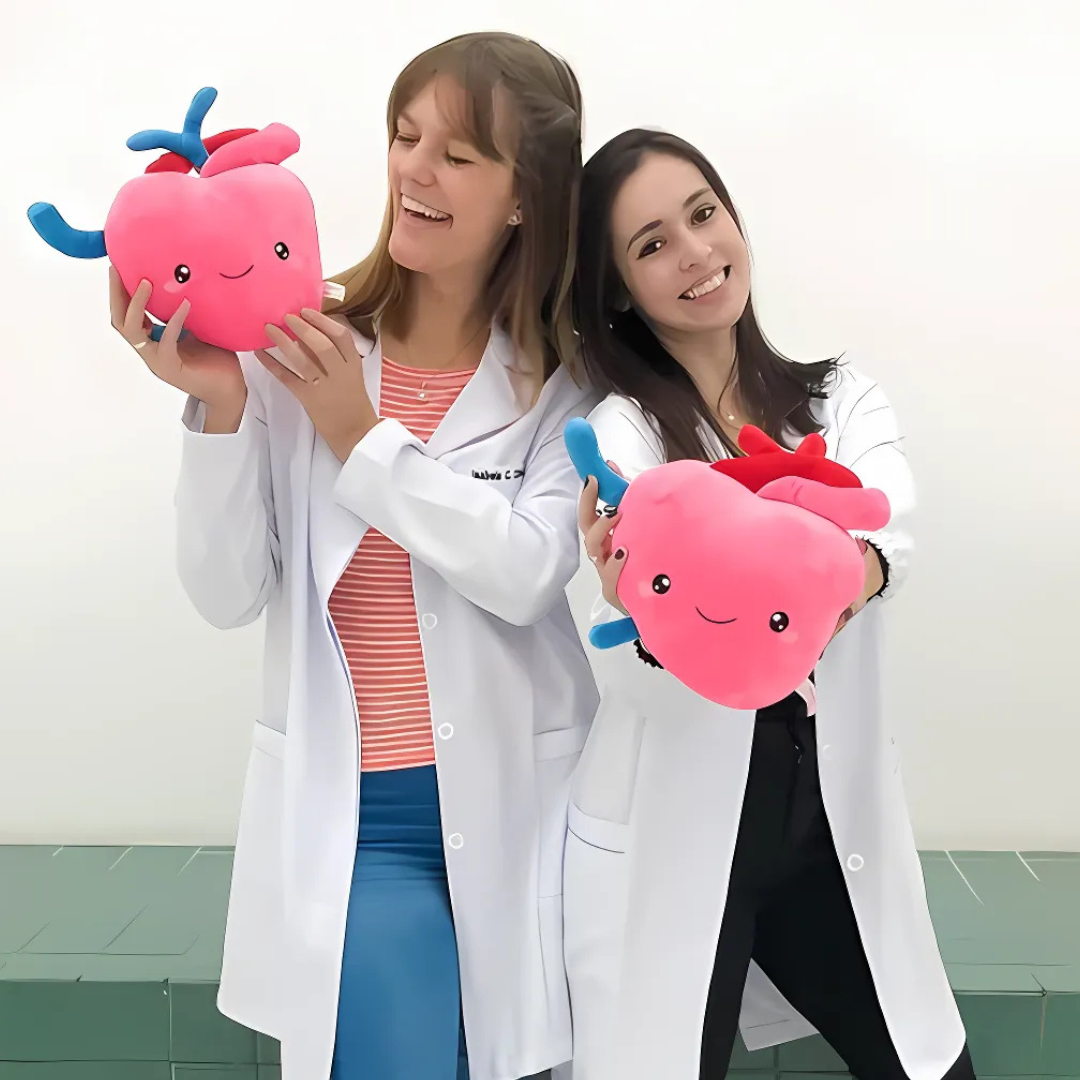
x,y
268,519
657,797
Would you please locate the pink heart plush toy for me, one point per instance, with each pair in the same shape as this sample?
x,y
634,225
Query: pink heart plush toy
x,y
736,572
237,239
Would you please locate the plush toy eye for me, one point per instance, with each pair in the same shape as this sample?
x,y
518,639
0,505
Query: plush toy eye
x,y
661,583
779,622
281,251
182,274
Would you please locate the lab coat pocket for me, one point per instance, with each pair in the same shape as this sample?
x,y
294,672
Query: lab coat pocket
x,y
594,932
556,754
253,966
603,789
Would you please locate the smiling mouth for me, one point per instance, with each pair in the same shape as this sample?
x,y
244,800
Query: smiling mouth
x,y
715,622
236,277
706,285
421,211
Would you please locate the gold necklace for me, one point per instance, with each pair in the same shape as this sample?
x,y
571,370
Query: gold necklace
x,y
734,383
719,405
422,392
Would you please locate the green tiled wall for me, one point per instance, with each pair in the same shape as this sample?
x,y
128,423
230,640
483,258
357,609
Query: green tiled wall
x,y
109,960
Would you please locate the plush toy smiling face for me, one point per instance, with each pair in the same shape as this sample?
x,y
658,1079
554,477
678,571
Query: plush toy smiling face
x,y
742,604
240,245
735,573
237,239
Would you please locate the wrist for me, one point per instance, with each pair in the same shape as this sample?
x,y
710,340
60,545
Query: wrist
x,y
223,417
345,444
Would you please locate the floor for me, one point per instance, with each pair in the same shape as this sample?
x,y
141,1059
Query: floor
x,y
109,959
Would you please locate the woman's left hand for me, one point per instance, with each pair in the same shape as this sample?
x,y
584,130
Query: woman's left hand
x,y
874,580
328,379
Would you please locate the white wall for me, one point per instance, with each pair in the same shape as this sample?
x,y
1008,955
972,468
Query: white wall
x,y
909,173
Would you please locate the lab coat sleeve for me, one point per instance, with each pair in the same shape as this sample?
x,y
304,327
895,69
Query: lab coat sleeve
x,y
871,444
625,436
511,558
228,553
628,440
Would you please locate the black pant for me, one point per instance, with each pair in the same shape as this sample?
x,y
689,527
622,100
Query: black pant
x,y
788,909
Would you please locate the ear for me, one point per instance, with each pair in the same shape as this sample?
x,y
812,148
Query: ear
x,y
270,146
866,509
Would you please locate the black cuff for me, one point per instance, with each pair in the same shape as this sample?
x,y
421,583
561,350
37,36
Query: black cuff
x,y
884,569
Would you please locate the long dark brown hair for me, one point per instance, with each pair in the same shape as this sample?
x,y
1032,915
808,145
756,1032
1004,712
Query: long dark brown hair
x,y
529,287
622,354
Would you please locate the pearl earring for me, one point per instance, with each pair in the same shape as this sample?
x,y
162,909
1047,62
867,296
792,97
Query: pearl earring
x,y
516,219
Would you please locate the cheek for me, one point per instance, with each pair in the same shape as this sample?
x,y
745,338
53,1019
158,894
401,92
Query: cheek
x,y
480,210
735,246
651,285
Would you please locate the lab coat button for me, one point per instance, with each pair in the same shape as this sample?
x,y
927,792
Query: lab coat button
x,y
456,840
855,862
445,731
429,621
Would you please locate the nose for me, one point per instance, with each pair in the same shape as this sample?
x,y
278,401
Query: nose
x,y
694,252
416,166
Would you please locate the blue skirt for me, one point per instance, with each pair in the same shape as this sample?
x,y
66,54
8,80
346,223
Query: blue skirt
x,y
399,1013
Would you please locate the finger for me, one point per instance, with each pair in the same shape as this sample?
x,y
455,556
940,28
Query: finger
x,y
597,536
610,573
300,362
118,299
171,334
135,317
319,345
586,514
615,469
293,383
340,335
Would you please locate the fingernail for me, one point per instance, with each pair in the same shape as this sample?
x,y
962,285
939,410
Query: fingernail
x,y
586,484
620,554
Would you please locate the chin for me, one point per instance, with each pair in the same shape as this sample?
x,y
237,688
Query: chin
x,y
708,320
409,255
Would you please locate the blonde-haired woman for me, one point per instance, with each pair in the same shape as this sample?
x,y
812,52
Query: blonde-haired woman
x,y
391,487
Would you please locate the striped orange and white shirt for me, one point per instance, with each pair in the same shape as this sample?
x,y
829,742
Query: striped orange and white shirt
x,y
372,605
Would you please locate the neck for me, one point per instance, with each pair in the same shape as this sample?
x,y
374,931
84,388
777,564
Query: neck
x,y
708,358
440,323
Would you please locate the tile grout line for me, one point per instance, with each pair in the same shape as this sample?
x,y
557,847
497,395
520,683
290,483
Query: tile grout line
x,y
965,880
115,864
1028,865
189,862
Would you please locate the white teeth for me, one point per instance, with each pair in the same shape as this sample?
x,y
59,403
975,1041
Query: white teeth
x,y
706,287
419,208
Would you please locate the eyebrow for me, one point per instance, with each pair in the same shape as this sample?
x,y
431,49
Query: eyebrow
x,y
656,224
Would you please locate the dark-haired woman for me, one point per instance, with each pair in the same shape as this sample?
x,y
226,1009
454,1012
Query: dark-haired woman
x,y
727,868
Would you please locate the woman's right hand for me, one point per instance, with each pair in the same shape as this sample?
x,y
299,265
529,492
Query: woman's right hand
x,y
596,528
204,371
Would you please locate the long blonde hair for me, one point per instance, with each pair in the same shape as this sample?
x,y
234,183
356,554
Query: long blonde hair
x,y
528,291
